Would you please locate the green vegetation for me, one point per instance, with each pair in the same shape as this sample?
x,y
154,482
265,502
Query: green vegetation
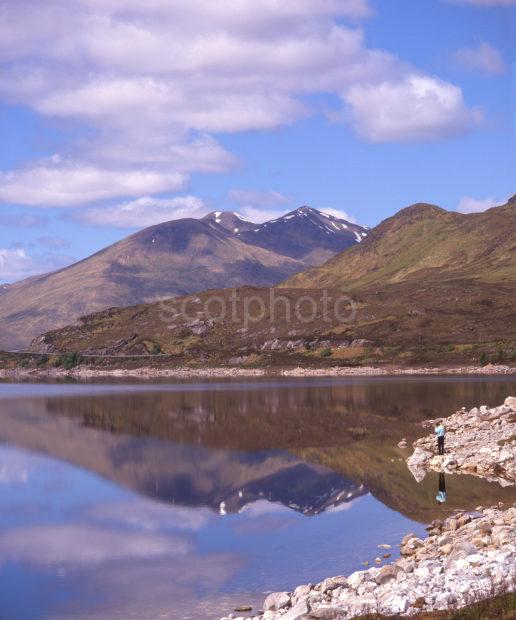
x,y
69,360
483,359
325,352
419,243
501,607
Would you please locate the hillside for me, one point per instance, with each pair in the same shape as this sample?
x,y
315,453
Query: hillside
x,y
418,294
169,259
422,243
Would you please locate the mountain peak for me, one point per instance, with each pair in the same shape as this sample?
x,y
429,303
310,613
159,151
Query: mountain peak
x,y
223,249
422,208
232,221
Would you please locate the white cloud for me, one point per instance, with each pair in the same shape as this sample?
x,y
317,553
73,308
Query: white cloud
x,y
147,82
477,205
484,58
416,107
143,212
84,544
151,517
340,213
54,183
251,198
16,264
484,3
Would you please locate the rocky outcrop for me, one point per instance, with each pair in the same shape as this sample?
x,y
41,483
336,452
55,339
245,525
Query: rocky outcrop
x,y
480,442
465,558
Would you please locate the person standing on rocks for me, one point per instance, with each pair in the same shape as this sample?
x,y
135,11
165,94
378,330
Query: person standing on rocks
x,y
440,432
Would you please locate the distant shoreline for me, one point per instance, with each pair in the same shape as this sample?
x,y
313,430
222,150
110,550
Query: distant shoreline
x,y
147,372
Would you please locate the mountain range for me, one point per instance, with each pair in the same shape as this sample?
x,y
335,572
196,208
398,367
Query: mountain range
x,y
425,277
423,282
173,258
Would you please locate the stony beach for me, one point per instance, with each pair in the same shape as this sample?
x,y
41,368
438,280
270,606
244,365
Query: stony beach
x,y
465,558
340,371
149,372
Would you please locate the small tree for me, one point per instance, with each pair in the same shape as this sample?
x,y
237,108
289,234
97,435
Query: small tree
x,y
70,360
483,358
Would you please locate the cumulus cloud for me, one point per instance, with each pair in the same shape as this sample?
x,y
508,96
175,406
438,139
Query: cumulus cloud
x,y
148,83
151,517
13,263
477,205
340,213
56,183
483,57
84,544
484,3
16,264
251,198
143,212
416,107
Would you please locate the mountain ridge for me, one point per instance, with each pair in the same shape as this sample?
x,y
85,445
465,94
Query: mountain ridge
x,y
168,259
424,241
419,285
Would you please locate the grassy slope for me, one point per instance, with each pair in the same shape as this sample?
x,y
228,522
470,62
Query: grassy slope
x,y
424,242
501,607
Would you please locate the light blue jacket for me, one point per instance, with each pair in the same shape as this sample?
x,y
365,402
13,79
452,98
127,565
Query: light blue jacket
x,y
440,431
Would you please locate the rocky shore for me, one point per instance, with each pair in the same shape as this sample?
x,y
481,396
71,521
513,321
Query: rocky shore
x,y
148,372
481,442
338,371
88,372
465,558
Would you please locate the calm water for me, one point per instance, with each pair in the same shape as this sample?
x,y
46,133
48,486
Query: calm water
x,y
175,501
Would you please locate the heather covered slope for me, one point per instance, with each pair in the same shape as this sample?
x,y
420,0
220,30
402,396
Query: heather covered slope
x,y
426,285
161,261
424,243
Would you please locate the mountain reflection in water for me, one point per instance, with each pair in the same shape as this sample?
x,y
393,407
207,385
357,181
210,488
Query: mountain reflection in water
x,y
182,500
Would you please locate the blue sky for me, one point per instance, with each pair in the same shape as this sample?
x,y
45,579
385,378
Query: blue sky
x,y
118,114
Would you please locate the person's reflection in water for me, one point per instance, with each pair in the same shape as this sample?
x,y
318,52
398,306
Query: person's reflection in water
x,y
441,493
